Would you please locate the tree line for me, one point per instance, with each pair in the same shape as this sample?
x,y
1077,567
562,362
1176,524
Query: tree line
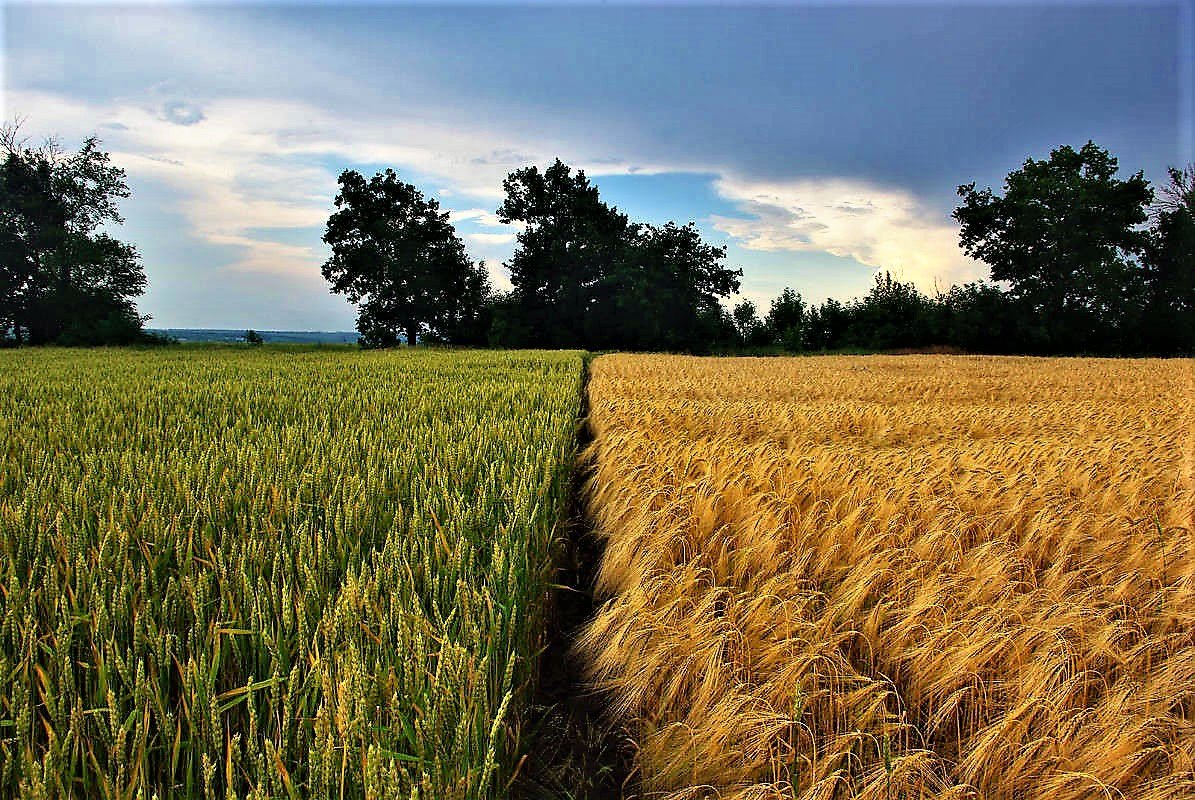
x,y
583,274
1081,260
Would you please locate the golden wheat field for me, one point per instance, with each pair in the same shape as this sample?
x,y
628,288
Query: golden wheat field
x,y
897,577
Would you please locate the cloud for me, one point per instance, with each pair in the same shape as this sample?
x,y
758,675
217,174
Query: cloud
x,y
248,156
491,238
880,227
180,112
242,147
480,216
262,163
253,164
505,156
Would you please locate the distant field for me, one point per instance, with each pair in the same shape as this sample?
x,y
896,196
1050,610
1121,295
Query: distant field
x,y
898,577
263,573
279,337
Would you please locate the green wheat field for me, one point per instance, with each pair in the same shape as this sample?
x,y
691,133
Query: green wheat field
x,y
275,573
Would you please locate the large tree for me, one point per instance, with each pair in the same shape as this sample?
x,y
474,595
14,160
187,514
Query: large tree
x,y
569,241
398,258
1168,313
584,275
62,278
1065,235
663,292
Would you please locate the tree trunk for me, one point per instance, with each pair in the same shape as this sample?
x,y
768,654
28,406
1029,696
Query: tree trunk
x,y
412,332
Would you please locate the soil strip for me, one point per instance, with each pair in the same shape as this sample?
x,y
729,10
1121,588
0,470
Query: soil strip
x,y
577,752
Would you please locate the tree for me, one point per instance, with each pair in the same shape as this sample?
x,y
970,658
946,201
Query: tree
x,y
398,258
893,315
785,322
750,328
1179,194
663,292
1065,237
473,321
569,240
826,326
1168,314
60,279
689,281
981,318
585,276
252,337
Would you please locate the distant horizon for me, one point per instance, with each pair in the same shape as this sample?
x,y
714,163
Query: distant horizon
x,y
275,336
248,328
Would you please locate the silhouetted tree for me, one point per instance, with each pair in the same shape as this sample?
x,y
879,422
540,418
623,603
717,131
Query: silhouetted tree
x,y
720,334
750,328
1168,312
785,322
663,292
982,318
569,241
252,337
583,275
60,279
1065,236
396,256
826,326
472,324
892,315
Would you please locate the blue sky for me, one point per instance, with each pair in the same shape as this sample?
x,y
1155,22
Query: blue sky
x,y
820,143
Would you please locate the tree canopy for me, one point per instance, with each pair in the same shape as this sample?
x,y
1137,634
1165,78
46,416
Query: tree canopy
x,y
584,275
663,292
1168,313
1073,269
62,278
397,257
786,320
560,270
1065,236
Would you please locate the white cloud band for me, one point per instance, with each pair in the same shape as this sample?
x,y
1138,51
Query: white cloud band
x,y
880,227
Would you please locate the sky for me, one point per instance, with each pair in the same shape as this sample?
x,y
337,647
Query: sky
x,y
820,143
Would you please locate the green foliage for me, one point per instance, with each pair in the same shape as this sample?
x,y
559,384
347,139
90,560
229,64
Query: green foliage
x,y
61,280
1065,236
826,325
981,318
750,328
261,573
585,276
252,337
661,293
396,256
1168,314
568,242
786,320
893,314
